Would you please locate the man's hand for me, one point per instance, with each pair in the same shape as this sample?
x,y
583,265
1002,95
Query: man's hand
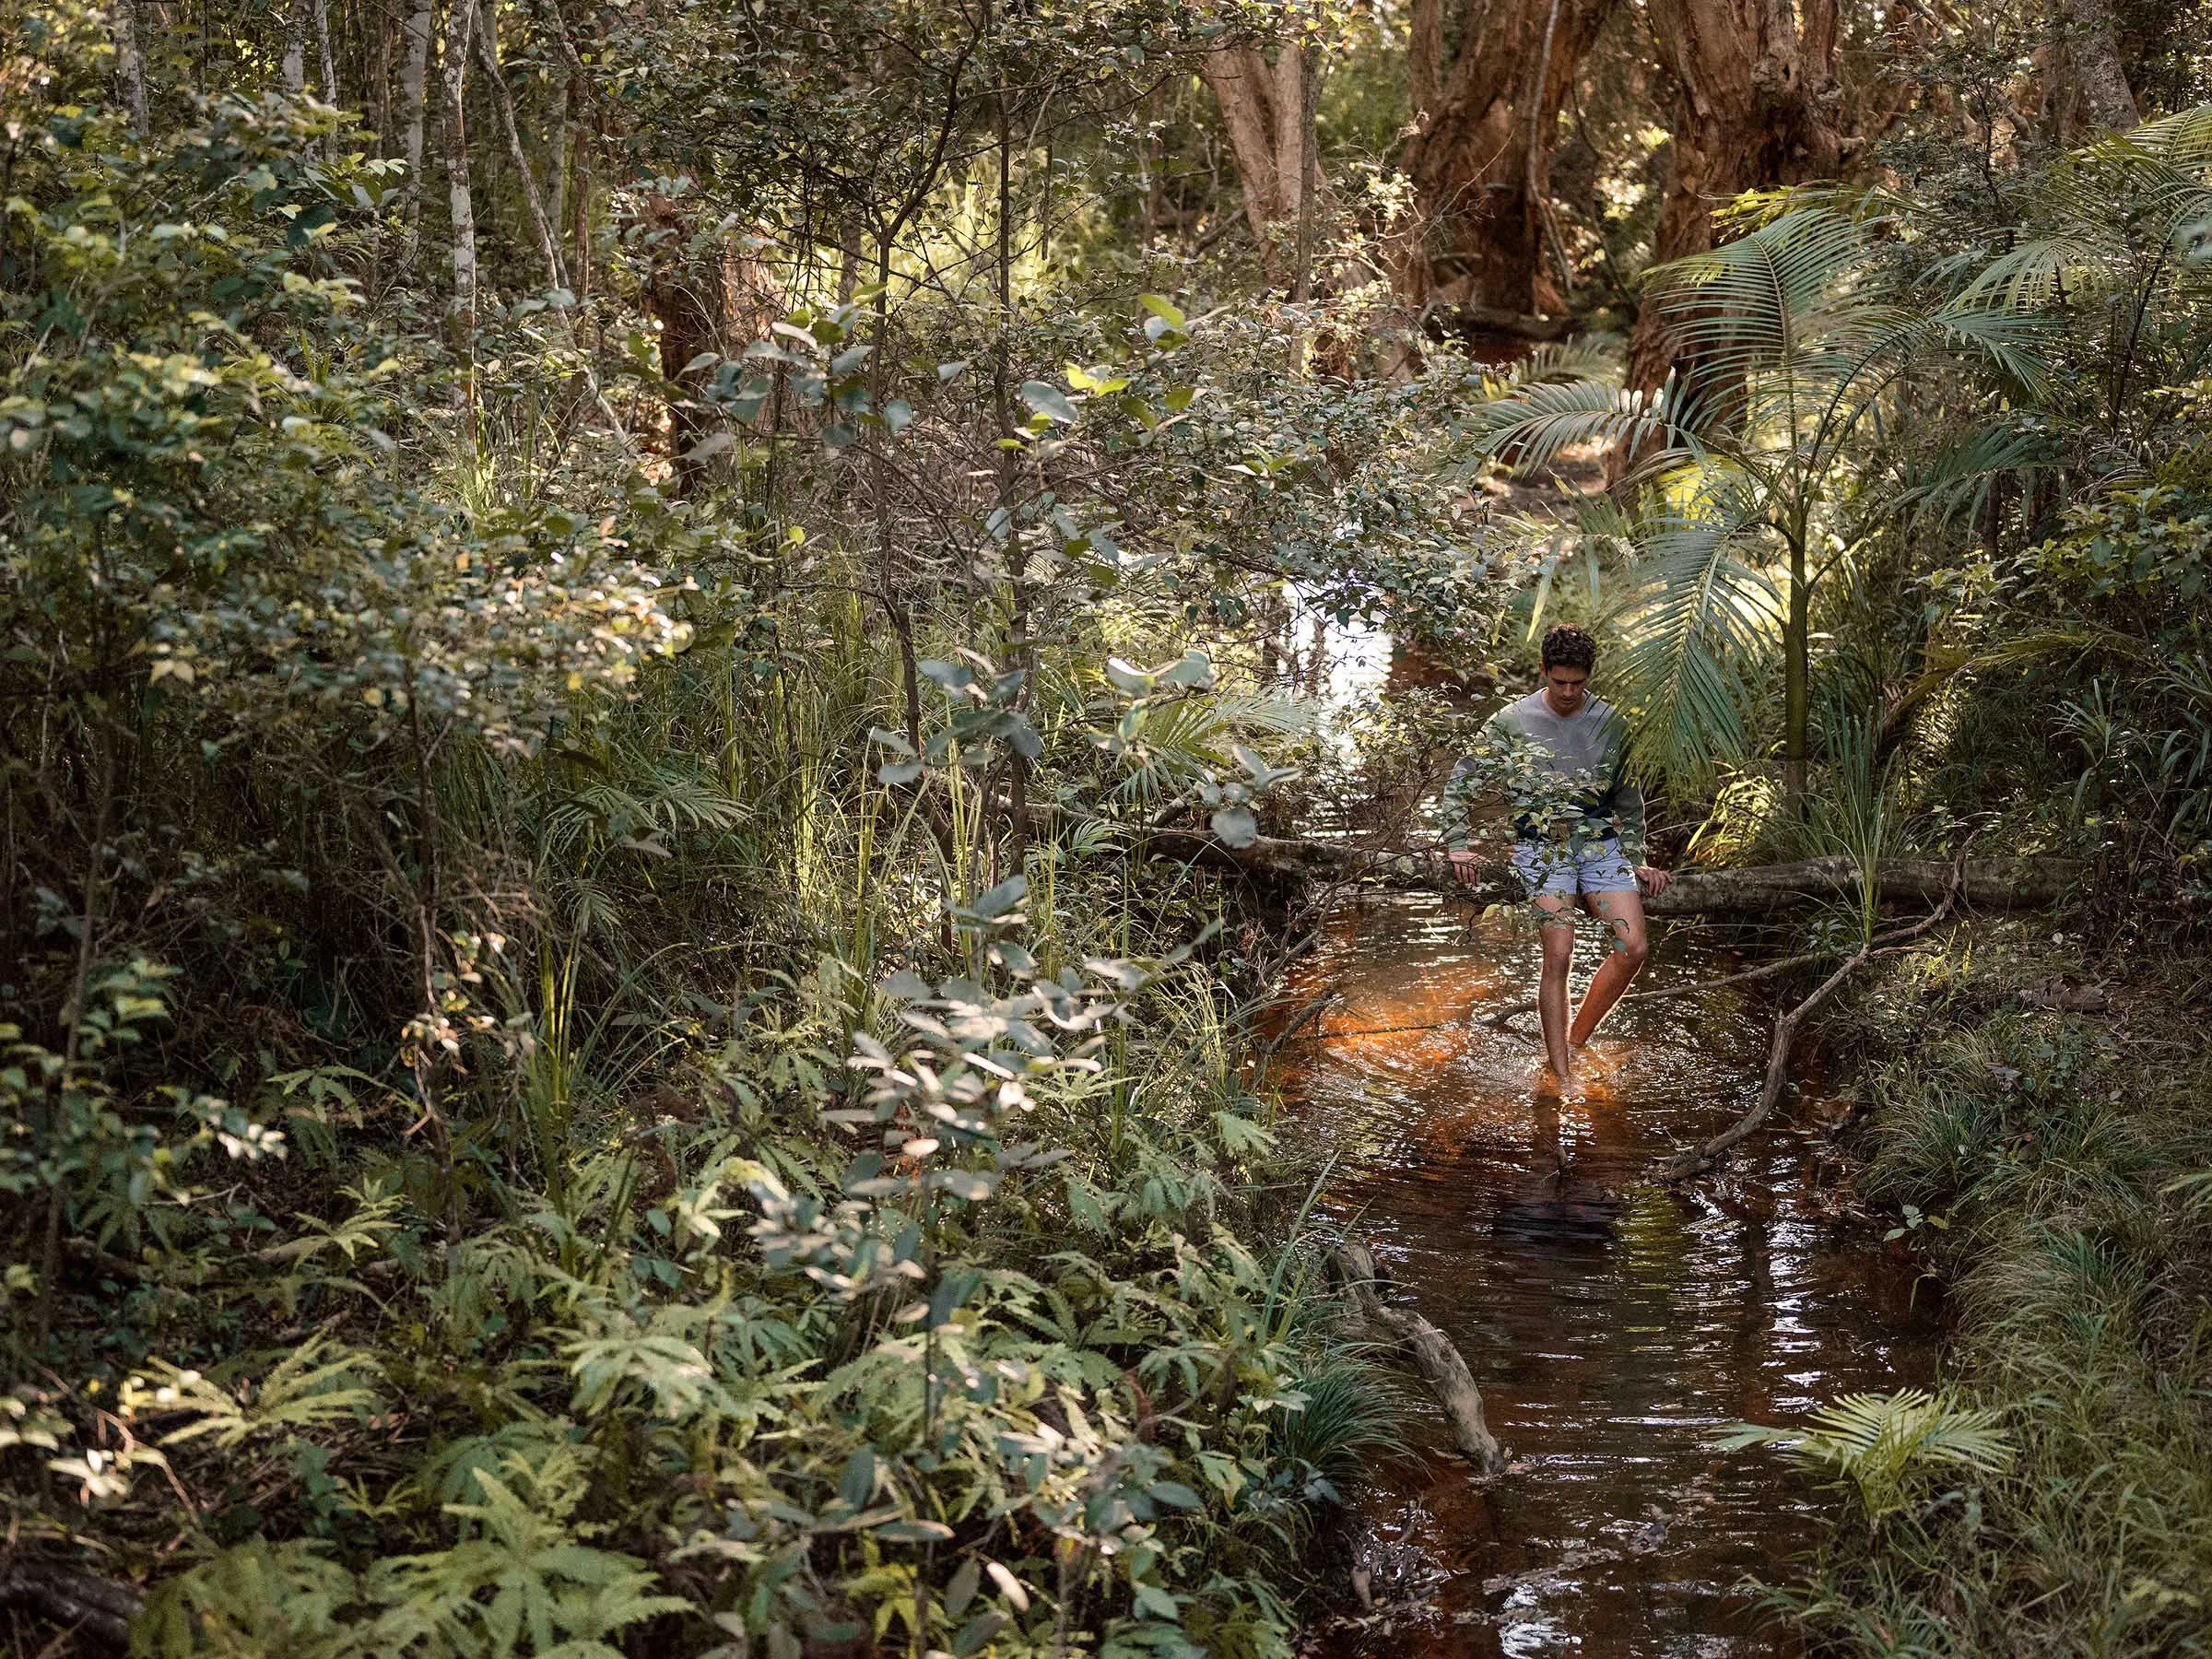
x,y
1656,881
1466,868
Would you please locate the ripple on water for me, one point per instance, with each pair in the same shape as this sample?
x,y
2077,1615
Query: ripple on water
x,y
1613,1327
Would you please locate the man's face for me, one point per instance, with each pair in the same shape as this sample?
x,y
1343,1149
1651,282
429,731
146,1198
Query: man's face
x,y
1564,689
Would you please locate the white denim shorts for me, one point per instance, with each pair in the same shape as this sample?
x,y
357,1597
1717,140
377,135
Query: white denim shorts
x,y
1558,869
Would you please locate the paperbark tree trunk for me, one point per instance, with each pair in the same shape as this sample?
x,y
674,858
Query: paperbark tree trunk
x,y
575,195
460,204
2094,51
1752,96
548,245
414,82
1260,108
329,58
130,61
1306,67
1481,163
293,70
1267,113
710,299
1425,59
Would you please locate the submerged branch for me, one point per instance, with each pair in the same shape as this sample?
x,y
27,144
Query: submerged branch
x,y
1693,987
1432,1353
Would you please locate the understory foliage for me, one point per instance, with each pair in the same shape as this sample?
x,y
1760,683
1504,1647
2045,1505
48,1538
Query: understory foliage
x,y
591,1063
604,613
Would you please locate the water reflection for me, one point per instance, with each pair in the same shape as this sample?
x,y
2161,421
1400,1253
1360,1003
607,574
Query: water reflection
x,y
1612,1326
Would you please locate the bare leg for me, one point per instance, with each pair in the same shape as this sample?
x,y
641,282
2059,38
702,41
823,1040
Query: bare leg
x,y
1557,927
1623,913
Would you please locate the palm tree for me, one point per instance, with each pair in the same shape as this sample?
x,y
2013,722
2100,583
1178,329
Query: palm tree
x,y
2111,253
1799,337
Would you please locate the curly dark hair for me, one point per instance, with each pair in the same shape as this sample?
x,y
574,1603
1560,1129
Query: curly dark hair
x,y
1568,646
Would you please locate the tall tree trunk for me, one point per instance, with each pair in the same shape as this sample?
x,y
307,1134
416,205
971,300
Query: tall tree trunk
x,y
1267,113
1288,108
1152,161
294,68
548,245
1424,58
709,300
1002,396
575,193
1481,162
329,59
414,85
130,61
1245,86
580,212
557,153
1797,682
2094,51
1301,280
1751,112
461,206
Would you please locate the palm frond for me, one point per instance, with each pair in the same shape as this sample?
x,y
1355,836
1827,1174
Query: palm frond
x,y
1758,300
1700,620
2036,270
2184,140
1959,479
1589,357
2017,346
1528,428
1170,745
1887,1447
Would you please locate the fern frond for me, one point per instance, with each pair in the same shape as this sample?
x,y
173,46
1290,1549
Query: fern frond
x,y
319,1384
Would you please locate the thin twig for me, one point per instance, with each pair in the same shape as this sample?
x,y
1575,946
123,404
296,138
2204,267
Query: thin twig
x,y
1785,1033
1266,1049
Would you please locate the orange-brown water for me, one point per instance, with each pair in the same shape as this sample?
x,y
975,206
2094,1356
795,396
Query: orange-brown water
x,y
1613,1327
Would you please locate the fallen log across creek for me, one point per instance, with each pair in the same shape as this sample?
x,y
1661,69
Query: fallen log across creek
x,y
2001,883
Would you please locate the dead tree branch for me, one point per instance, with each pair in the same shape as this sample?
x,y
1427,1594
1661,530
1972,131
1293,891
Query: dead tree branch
x,y
1431,1351
1778,1050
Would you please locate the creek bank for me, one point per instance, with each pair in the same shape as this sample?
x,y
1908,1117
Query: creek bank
x,y
2033,1117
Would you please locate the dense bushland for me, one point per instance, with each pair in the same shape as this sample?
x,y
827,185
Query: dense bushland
x,y
559,1098
600,606
2050,1163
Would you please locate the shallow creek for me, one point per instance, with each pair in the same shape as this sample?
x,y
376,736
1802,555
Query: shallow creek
x,y
1613,1327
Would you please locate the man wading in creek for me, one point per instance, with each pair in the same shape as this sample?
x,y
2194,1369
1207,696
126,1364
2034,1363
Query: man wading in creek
x,y
1583,840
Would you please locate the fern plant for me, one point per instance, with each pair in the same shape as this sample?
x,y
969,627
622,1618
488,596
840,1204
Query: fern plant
x,y
1887,1449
